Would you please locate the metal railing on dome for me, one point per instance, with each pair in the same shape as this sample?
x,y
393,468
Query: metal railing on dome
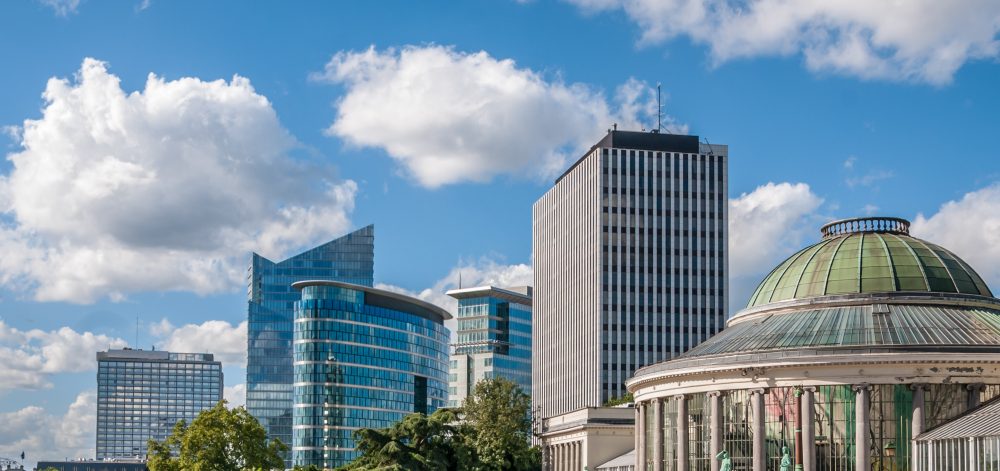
x,y
866,224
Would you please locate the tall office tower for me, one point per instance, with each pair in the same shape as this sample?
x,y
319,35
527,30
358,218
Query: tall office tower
x,y
494,339
269,354
630,264
364,358
142,394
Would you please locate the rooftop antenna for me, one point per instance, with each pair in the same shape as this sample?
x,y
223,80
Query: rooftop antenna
x,y
136,331
659,109
460,279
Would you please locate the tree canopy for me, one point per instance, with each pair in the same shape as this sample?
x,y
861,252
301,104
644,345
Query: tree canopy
x,y
218,439
490,432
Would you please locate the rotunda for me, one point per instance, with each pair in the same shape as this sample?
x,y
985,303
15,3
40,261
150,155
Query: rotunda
x,y
844,352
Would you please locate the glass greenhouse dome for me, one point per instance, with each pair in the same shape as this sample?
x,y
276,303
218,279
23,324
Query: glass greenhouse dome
x,y
845,352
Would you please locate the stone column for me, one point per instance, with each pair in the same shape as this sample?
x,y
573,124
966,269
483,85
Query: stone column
x,y
917,418
657,435
862,425
640,451
975,389
808,429
638,429
759,450
715,427
973,464
682,432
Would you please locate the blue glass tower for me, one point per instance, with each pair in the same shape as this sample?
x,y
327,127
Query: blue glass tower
x,y
269,354
364,358
494,339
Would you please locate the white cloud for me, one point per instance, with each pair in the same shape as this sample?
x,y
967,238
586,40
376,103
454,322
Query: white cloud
x,y
28,358
62,7
484,271
869,209
970,227
869,179
167,188
765,226
227,341
448,116
768,224
917,40
41,435
236,395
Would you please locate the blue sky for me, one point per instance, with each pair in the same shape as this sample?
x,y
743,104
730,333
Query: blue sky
x,y
440,123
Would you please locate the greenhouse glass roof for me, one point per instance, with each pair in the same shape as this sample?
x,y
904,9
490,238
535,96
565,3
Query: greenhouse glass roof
x,y
868,255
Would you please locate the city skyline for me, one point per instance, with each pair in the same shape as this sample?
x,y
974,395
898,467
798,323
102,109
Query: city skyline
x,y
309,111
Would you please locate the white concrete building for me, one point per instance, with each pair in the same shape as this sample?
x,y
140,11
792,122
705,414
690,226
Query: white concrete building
x,y
586,438
630,264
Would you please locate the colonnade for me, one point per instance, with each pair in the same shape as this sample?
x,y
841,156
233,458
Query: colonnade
x,y
566,456
806,401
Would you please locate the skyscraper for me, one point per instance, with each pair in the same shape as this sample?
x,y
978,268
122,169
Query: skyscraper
x,y
364,358
494,339
143,394
630,264
269,354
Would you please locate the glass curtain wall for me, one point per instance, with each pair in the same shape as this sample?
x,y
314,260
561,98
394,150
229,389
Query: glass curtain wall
x,y
699,428
834,428
670,419
891,418
737,428
780,412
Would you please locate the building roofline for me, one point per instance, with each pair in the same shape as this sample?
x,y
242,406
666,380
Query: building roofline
x,y
432,308
490,290
641,140
352,232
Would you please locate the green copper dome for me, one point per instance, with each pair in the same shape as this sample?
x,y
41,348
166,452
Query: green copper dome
x,y
868,255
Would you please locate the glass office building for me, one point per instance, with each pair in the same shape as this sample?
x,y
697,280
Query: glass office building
x,y
269,351
494,339
364,358
142,394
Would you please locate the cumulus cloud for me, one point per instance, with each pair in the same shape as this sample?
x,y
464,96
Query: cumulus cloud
x,y
970,227
765,226
227,341
29,358
470,273
448,116
62,7
236,395
35,431
166,188
918,40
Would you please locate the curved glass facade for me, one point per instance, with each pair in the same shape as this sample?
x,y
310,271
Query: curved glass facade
x,y
361,360
350,259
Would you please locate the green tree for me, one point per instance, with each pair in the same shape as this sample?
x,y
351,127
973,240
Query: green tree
x,y
417,443
498,420
219,439
617,401
490,432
